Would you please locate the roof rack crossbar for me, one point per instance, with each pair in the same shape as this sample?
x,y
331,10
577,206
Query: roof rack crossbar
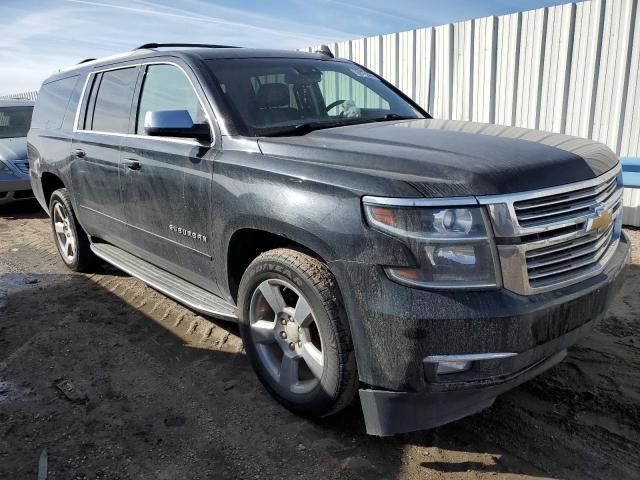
x,y
197,45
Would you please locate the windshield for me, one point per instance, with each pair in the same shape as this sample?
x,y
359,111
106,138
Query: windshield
x,y
15,121
276,96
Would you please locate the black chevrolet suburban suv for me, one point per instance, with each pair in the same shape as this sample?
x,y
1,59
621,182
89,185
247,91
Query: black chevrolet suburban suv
x,y
363,246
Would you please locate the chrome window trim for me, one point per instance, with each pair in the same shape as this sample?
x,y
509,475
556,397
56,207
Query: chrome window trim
x,y
83,99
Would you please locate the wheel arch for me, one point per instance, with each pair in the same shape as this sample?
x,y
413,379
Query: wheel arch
x,y
246,243
50,183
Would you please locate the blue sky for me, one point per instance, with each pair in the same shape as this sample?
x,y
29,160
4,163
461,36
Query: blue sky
x,y
39,37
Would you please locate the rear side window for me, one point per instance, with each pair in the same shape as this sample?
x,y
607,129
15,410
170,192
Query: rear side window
x,y
112,103
52,103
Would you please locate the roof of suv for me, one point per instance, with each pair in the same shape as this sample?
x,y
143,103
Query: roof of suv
x,y
198,53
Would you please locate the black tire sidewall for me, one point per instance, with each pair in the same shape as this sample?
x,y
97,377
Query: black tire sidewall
x,y
323,397
61,197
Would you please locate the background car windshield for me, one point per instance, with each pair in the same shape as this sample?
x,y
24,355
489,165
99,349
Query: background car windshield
x,y
15,121
269,95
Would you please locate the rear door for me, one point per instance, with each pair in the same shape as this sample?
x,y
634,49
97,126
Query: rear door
x,y
166,181
95,165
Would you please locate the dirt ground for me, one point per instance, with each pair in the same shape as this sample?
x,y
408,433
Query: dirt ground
x,y
102,377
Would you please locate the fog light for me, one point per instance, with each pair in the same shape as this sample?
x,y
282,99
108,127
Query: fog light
x,y
452,367
444,364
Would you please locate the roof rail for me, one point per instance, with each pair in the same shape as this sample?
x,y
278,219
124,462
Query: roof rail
x,y
324,50
86,60
199,45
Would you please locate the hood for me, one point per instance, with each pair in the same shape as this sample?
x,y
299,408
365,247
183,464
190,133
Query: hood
x,y
451,158
13,148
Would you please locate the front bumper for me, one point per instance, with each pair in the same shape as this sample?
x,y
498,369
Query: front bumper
x,y
395,328
14,184
387,413
13,188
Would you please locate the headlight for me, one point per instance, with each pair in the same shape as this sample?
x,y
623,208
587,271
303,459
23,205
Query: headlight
x,y
5,169
452,244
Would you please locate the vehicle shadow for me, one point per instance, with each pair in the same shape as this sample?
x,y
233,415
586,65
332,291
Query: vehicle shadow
x,y
117,381
161,392
22,209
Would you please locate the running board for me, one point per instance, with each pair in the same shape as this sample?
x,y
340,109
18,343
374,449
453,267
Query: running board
x,y
180,290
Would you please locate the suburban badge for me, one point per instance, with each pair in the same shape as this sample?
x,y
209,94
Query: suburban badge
x,y
188,233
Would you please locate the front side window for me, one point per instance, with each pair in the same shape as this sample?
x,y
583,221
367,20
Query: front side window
x,y
15,121
113,100
269,96
166,87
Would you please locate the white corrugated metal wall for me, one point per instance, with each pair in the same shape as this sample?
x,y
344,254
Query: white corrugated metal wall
x,y
572,69
20,96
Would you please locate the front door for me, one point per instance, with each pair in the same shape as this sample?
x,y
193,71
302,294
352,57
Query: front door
x,y
95,162
166,182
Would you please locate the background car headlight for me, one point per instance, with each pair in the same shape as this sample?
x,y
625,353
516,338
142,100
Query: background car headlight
x,y
453,246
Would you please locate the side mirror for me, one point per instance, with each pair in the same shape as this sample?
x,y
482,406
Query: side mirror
x,y
174,123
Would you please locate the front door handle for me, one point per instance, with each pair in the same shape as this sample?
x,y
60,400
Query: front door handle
x,y
132,164
79,153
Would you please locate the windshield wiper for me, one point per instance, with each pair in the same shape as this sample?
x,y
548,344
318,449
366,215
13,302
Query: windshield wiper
x,y
392,116
308,127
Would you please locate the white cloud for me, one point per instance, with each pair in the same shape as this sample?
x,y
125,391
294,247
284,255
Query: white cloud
x,y
36,43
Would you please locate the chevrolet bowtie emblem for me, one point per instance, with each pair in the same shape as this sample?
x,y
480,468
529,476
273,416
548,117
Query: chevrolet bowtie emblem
x,y
601,220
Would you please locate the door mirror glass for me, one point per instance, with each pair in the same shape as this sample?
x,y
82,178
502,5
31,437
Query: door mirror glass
x,y
174,123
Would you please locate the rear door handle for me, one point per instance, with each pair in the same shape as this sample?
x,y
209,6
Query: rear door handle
x,y
79,153
132,164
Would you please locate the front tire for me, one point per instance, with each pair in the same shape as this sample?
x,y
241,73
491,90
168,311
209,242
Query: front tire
x,y
295,332
72,242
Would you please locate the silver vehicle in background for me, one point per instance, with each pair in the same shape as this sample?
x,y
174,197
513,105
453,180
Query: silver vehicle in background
x,y
15,119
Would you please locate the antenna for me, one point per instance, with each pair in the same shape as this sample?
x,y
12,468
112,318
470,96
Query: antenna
x,y
324,50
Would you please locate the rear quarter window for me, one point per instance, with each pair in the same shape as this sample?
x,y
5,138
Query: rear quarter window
x,y
52,103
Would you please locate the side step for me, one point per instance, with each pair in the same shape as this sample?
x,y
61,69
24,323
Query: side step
x,y
180,290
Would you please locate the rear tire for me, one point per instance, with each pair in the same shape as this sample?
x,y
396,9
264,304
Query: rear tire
x,y
72,242
295,332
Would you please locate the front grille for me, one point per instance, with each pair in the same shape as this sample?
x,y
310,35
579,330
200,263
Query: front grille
x,y
22,165
565,205
551,238
556,263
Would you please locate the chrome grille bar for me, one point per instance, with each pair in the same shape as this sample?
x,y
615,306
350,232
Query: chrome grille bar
x,y
567,206
567,197
591,254
568,253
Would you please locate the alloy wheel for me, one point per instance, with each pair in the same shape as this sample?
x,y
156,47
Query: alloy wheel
x,y
286,337
65,236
